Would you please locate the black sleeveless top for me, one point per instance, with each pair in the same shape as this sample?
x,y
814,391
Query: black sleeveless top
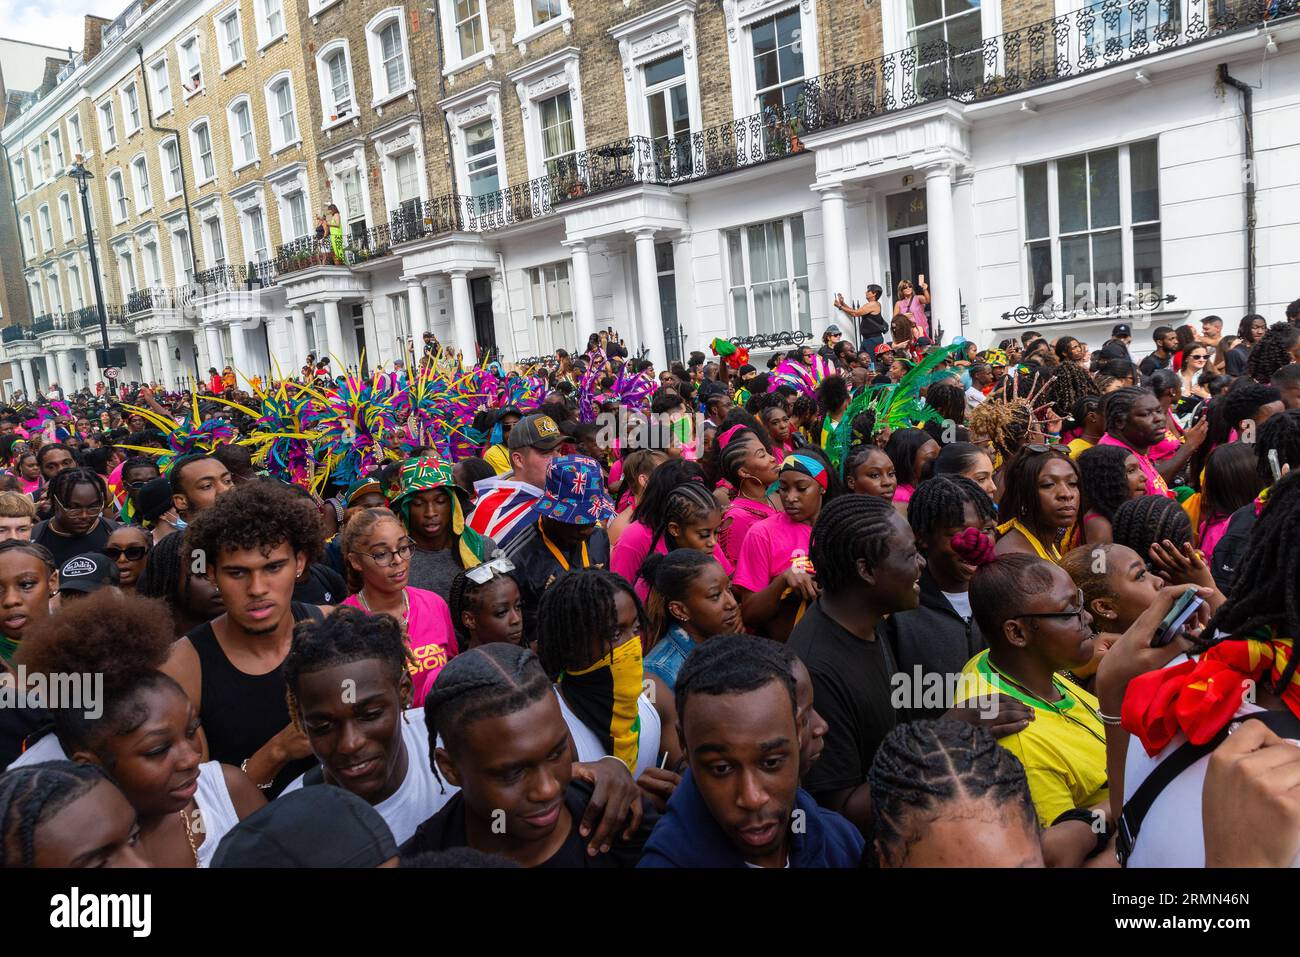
x,y
241,712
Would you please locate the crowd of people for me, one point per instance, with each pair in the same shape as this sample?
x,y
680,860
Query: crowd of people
x,y
874,604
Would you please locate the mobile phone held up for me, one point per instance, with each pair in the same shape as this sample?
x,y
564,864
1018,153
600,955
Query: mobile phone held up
x,y
1178,616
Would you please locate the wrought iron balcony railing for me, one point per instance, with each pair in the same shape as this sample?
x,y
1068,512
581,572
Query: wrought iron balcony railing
x,y
16,333
141,300
50,322
304,253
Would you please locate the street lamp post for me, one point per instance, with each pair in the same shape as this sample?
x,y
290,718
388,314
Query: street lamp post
x,y
82,175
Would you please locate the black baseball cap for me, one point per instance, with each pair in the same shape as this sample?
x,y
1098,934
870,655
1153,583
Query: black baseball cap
x,y
317,826
535,431
153,499
1121,329
87,573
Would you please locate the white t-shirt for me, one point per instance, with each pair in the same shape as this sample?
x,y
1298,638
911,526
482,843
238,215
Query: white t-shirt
x,y
1172,833
974,397
419,796
960,601
590,748
46,749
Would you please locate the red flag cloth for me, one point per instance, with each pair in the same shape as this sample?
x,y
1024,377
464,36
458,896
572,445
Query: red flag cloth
x,y
1200,697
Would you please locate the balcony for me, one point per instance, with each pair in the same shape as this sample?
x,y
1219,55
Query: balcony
x,y
304,254
50,322
139,301
16,333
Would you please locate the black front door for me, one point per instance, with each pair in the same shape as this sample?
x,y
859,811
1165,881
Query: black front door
x,y
485,330
909,258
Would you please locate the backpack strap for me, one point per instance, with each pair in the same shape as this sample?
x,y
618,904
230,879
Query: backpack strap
x,y
1282,723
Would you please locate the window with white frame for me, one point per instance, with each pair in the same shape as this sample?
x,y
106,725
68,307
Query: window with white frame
x,y
280,110
778,60
243,146
205,167
470,23
152,262
256,223
552,306
407,178
56,294
117,193
1089,240
767,277
337,97
295,223
170,155
270,20
47,227
182,256
230,39
386,37
126,268
213,238
140,176
66,223
354,203
131,108
74,286
57,162
555,121
191,66
535,17
669,112
29,237
107,124
948,37
162,86
20,177
482,163
38,297
74,135
38,164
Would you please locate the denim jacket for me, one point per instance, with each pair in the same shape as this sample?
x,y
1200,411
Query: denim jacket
x,y
666,657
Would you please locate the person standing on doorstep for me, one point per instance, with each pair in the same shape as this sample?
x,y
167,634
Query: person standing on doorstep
x,y
737,803
254,542
871,323
197,481
1166,340
505,504
911,304
1116,347
1249,332
564,532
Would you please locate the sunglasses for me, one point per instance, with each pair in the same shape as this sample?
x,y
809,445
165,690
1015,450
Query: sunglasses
x,y
1039,449
133,553
482,574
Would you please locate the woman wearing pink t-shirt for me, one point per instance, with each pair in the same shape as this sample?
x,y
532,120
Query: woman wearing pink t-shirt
x,y
911,304
774,577
690,519
751,470
378,552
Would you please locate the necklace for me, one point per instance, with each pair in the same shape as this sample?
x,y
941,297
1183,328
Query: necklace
x,y
406,605
189,835
1066,715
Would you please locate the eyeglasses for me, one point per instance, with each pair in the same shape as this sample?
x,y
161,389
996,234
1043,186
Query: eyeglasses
x,y
401,553
133,553
1200,356
86,510
1076,613
1039,449
482,574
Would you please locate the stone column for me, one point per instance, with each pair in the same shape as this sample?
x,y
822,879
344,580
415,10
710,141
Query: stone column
x,y
419,316
298,321
462,307
93,374
945,298
240,358
647,276
166,366
584,306
334,335
835,241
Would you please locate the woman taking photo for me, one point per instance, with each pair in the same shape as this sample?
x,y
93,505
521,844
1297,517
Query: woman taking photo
x,y
378,553
1040,502
1108,477
911,305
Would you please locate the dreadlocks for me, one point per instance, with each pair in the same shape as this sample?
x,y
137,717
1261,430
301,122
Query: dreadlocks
x,y
849,528
1068,385
921,766
66,482
577,609
1005,424
31,796
1280,433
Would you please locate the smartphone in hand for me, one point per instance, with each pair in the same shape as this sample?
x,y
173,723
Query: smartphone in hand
x,y
1177,617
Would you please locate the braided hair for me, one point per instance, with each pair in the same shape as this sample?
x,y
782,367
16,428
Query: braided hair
x,y
941,502
1103,480
1141,522
662,481
732,458
1116,406
1266,590
577,609
849,528
65,483
922,766
30,796
489,681
670,577
166,575
1281,433
1242,401
948,400
832,394
687,503
1273,351
346,636
1005,424
463,596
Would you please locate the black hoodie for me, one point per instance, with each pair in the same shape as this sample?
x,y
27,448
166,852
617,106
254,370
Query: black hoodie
x,y
935,638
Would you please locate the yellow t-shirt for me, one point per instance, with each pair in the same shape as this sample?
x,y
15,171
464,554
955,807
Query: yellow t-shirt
x,y
498,458
1078,446
1063,749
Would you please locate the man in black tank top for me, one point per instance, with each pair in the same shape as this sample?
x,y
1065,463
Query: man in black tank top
x,y
253,542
